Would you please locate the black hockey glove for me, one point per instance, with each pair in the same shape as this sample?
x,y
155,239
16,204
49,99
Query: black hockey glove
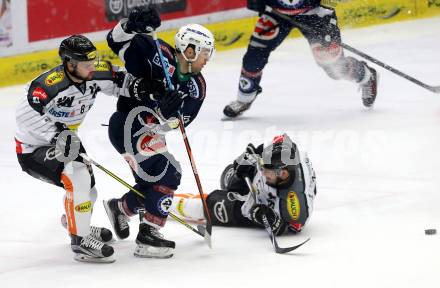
x,y
259,210
146,90
170,104
142,20
256,5
256,151
244,165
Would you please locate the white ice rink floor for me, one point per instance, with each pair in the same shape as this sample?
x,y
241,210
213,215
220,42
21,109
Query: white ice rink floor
x,y
377,174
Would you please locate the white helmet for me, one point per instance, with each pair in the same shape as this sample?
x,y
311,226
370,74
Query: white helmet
x,y
196,35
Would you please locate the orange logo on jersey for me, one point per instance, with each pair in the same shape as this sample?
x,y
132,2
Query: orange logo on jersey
x,y
54,78
293,206
84,207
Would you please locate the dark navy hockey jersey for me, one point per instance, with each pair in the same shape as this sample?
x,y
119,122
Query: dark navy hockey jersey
x,y
141,58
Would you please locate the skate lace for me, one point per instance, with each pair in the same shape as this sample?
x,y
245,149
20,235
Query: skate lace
x,y
237,105
91,242
366,90
123,221
95,232
156,233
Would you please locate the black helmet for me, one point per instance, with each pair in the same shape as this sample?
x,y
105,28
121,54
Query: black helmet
x,y
77,47
281,154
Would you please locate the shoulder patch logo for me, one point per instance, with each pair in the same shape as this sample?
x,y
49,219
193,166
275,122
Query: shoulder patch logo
x,y
39,95
293,206
54,78
102,66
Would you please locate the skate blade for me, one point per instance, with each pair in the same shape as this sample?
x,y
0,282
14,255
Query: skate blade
x,y
89,259
146,251
64,223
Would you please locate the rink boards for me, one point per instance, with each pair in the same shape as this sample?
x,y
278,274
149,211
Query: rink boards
x,y
233,33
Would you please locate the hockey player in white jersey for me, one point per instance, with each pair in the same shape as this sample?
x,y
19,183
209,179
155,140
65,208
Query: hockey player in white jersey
x,y
284,180
46,143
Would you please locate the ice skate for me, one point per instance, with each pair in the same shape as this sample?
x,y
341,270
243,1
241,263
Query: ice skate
x,y
151,244
369,89
89,249
118,219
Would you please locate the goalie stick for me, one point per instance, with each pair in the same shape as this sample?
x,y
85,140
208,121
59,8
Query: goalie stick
x,y
201,230
434,89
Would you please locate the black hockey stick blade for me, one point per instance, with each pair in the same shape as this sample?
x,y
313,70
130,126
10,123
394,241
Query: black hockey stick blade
x,y
277,248
435,89
281,250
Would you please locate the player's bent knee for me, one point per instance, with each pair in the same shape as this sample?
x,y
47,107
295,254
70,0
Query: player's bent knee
x,y
327,55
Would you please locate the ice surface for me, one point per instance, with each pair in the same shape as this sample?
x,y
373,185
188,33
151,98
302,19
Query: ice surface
x,y
377,174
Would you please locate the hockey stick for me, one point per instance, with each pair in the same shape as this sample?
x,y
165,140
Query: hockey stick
x,y
200,228
277,248
434,89
185,139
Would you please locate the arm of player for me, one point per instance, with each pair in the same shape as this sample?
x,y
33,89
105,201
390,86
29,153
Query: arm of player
x,y
296,207
195,91
133,47
38,97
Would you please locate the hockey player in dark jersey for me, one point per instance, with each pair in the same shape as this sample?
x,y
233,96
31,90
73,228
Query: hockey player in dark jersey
x,y
271,30
47,147
132,127
285,185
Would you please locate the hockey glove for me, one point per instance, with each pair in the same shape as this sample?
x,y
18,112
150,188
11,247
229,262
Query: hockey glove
x,y
146,90
244,166
170,104
254,151
259,210
256,5
143,20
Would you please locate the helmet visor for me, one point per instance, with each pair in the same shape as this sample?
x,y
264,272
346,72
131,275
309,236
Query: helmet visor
x,y
206,53
86,64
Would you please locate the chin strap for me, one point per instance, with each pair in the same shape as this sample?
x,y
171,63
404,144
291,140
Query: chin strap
x,y
189,61
189,67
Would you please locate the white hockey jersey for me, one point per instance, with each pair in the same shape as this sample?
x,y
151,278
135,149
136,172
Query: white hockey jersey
x,y
53,98
293,203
